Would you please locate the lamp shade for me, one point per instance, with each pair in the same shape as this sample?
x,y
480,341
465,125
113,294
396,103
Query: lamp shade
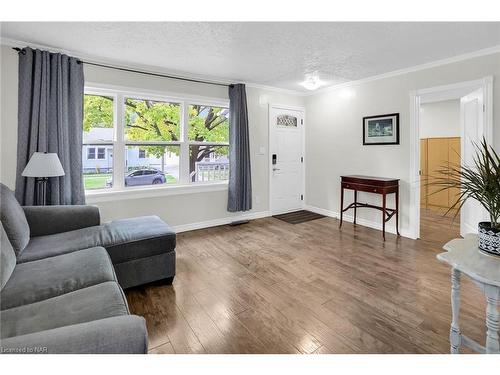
x,y
43,164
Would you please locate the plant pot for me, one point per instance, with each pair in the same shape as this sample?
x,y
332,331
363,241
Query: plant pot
x,y
489,238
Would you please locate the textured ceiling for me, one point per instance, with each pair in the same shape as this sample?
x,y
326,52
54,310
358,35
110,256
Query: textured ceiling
x,y
271,53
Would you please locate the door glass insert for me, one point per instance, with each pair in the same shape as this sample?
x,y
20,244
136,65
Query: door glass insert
x,y
286,120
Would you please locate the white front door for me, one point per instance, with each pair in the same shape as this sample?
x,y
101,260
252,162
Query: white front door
x,y
472,132
286,159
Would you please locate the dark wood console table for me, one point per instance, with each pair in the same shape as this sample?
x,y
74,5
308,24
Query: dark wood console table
x,y
376,185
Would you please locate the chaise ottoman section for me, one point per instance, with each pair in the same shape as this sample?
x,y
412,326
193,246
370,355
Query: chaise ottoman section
x,y
138,237
142,250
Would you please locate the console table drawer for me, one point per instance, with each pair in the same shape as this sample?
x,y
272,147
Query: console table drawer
x,y
360,187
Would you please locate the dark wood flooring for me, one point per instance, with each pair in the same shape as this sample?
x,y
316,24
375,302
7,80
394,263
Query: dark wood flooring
x,y
273,287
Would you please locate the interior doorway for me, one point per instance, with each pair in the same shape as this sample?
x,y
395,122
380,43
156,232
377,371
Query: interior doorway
x,y
440,147
437,141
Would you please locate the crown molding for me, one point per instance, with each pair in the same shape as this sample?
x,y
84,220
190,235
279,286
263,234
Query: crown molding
x,y
145,68
276,89
467,56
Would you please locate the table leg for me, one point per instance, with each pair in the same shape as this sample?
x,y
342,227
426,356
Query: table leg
x,y
383,214
355,204
492,294
341,205
455,334
397,211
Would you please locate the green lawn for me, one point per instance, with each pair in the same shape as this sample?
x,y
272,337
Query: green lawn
x,y
171,179
98,181
95,181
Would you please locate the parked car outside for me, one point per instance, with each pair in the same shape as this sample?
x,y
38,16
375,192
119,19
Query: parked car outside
x,y
142,177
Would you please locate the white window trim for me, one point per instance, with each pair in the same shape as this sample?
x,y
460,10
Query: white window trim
x,y
137,192
119,191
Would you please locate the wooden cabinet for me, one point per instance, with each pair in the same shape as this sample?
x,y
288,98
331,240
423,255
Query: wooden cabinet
x,y
436,154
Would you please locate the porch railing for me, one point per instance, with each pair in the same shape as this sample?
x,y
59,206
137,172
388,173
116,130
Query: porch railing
x,y
210,171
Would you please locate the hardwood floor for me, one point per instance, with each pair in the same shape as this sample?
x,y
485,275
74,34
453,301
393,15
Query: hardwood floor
x,y
273,287
436,227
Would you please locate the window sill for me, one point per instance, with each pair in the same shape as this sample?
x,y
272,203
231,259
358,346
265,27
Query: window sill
x,y
95,196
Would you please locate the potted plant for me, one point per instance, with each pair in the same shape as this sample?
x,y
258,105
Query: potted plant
x,y
479,181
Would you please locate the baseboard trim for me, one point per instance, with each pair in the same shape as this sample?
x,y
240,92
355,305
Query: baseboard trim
x,y
222,221
359,221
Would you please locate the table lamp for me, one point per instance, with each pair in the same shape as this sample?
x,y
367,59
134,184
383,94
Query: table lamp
x,y
43,165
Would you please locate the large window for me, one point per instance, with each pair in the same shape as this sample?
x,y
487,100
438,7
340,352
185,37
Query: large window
x,y
155,141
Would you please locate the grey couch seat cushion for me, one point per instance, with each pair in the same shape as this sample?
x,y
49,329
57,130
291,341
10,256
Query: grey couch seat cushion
x,y
13,219
120,334
84,305
46,278
125,240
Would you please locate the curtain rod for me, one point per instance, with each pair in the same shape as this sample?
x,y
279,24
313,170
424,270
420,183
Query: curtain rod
x,y
21,50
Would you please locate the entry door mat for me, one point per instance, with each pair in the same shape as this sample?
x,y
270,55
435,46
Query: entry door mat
x,y
298,217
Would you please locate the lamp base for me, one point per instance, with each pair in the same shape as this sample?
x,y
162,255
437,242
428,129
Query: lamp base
x,y
41,191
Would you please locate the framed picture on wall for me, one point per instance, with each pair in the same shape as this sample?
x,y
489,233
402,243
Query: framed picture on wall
x,y
381,130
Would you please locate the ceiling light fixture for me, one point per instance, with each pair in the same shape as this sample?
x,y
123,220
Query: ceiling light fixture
x,y
312,82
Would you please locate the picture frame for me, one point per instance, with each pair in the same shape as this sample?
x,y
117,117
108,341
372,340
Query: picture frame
x,y
381,129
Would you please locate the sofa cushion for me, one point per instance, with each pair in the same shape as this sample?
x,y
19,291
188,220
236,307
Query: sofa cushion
x,y
125,240
46,278
141,237
124,334
84,305
13,220
7,258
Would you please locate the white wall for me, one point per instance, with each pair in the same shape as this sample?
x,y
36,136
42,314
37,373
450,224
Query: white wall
x,y
334,133
440,119
175,209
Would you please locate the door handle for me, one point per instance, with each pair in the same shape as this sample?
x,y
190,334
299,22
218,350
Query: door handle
x,y
276,169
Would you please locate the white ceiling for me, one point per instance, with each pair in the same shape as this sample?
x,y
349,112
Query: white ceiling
x,y
271,53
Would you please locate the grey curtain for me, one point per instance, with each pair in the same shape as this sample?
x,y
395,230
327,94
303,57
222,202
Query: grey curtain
x,y
50,117
240,181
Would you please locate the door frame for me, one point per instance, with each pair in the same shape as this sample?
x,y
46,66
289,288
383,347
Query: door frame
x,y
434,94
270,139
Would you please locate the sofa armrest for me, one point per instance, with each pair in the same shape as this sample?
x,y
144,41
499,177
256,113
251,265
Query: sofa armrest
x,y
44,220
125,334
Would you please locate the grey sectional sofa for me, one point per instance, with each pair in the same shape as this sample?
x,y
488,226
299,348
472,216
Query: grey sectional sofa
x,y
61,272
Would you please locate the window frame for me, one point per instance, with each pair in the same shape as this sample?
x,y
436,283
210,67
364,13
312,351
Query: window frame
x,y
196,143
89,153
103,154
119,143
